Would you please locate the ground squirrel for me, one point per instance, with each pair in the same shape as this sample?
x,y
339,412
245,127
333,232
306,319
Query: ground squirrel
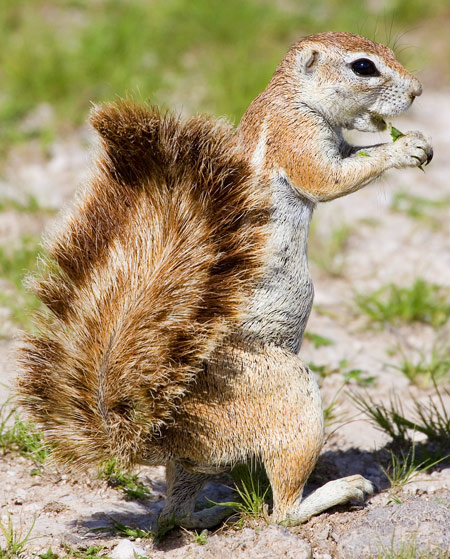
x,y
177,289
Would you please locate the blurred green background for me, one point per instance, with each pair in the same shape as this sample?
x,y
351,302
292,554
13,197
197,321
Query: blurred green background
x,y
195,55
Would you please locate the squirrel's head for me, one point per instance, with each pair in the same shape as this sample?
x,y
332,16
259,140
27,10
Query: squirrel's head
x,y
351,81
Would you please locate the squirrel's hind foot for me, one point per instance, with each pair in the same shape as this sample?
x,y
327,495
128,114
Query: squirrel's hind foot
x,y
336,492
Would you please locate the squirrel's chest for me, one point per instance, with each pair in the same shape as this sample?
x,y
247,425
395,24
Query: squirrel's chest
x,y
281,303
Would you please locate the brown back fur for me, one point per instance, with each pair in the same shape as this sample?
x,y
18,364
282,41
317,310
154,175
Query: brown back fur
x,y
142,282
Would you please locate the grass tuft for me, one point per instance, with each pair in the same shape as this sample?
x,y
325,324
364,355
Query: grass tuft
x,y
422,302
252,500
132,533
16,262
29,206
49,554
253,489
20,436
330,414
431,418
405,466
357,376
317,340
422,369
410,550
15,540
200,538
419,208
91,552
128,483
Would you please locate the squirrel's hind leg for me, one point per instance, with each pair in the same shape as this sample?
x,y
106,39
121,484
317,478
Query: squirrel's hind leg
x,y
183,489
288,475
293,447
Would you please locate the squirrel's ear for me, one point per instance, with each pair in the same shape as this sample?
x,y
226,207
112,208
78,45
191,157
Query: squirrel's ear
x,y
307,60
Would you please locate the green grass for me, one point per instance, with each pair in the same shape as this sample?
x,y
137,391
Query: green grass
x,y
327,251
430,417
359,377
410,550
200,538
126,482
406,466
15,539
16,261
91,552
20,436
253,489
317,340
49,554
208,55
423,368
30,205
418,207
349,374
422,302
330,415
132,533
252,500
407,459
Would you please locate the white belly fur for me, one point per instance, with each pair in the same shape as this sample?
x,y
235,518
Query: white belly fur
x,y
282,301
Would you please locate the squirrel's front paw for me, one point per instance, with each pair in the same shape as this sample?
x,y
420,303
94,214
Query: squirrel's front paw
x,y
412,150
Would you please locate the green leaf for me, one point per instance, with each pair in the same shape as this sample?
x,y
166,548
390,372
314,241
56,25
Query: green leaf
x,y
395,133
317,340
49,554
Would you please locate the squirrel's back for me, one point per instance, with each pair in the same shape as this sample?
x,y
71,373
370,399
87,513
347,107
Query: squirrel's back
x,y
141,282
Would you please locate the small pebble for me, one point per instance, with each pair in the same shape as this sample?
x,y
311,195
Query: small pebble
x,y
127,550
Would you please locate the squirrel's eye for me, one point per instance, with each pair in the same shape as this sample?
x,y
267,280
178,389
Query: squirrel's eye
x,y
364,67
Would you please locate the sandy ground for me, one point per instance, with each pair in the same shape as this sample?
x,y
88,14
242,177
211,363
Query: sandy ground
x,y
383,246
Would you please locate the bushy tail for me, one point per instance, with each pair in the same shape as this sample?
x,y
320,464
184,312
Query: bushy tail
x,y
142,281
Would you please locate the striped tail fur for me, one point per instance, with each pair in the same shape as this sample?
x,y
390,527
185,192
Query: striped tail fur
x,y
142,281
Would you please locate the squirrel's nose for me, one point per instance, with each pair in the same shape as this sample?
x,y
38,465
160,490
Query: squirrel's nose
x,y
415,90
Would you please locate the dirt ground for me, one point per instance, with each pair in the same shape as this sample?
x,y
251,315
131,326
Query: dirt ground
x,y
383,246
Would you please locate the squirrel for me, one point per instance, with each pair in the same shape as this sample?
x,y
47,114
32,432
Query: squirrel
x,y
177,289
